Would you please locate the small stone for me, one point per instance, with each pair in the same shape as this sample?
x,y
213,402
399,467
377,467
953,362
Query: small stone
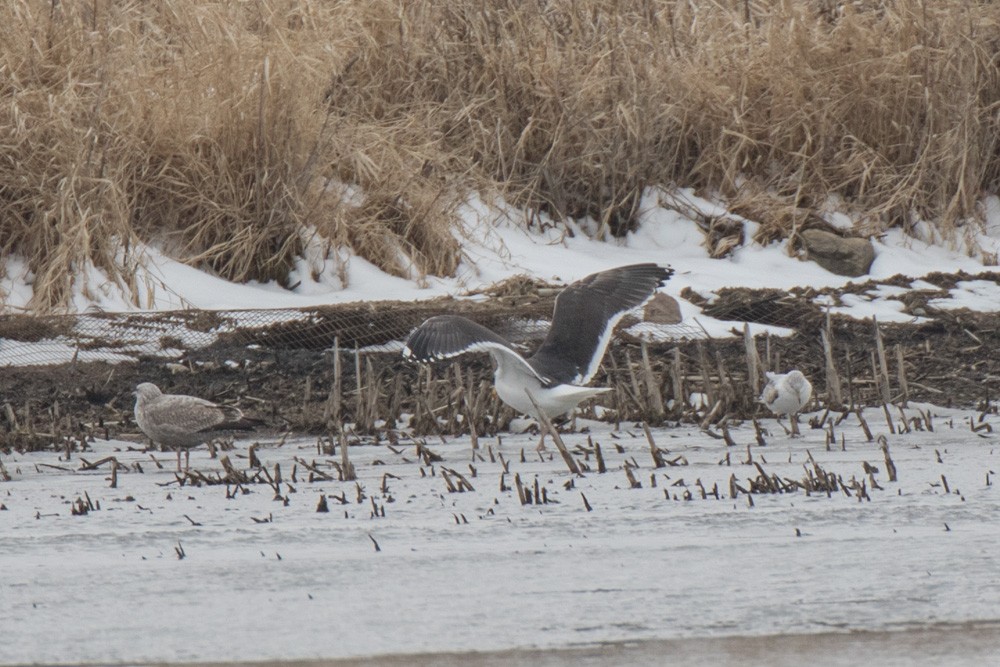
x,y
844,256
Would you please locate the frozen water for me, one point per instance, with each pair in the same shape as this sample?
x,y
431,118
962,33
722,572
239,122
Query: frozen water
x,y
478,570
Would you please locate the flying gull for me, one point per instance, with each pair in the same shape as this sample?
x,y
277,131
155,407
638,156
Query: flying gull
x,y
181,422
787,394
585,316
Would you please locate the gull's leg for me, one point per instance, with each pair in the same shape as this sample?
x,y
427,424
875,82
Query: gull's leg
x,y
795,424
782,425
541,441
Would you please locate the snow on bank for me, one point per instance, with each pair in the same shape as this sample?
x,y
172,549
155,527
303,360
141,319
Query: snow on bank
x,y
497,245
263,579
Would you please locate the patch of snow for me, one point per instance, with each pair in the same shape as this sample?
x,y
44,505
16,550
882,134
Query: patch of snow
x,y
978,295
16,281
53,352
496,244
862,306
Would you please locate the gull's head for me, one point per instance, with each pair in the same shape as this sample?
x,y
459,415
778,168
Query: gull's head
x,y
796,379
146,392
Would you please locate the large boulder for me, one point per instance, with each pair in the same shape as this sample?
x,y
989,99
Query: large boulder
x,y
844,256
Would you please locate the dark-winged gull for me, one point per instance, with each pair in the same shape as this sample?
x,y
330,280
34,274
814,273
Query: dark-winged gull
x,y
181,422
786,394
584,319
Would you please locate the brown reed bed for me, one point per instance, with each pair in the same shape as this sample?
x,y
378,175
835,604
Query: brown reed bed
x,y
343,395
234,135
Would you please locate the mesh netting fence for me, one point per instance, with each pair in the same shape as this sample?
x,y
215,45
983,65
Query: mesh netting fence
x,y
521,314
372,327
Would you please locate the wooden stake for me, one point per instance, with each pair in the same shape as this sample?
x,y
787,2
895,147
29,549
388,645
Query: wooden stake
x,y
632,481
520,489
472,413
333,401
753,360
906,422
882,363
890,467
680,400
888,418
706,374
904,388
551,430
371,404
834,394
654,451
726,437
850,380
636,391
254,462
346,467
864,425
767,351
359,402
653,396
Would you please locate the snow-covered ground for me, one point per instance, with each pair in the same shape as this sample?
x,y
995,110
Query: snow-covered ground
x,y
497,245
266,578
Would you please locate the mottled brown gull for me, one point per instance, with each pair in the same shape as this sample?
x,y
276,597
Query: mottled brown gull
x,y
178,422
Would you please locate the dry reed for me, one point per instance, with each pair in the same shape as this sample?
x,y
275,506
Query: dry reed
x,y
240,137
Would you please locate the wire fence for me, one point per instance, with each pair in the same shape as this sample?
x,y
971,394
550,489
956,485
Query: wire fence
x,y
372,327
519,312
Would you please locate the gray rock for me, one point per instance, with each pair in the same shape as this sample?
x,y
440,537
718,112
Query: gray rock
x,y
662,309
844,256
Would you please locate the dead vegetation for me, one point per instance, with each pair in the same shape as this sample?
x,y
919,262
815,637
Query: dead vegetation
x,y
241,136
341,392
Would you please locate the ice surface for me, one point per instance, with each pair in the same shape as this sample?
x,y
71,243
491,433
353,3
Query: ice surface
x,y
109,587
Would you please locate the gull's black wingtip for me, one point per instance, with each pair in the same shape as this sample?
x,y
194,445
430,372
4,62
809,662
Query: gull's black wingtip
x,y
649,269
418,343
665,273
415,347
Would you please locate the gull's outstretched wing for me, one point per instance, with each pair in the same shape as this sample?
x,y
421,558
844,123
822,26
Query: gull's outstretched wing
x,y
446,336
585,316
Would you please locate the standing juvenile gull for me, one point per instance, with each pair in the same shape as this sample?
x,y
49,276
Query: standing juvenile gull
x,y
181,422
585,316
786,394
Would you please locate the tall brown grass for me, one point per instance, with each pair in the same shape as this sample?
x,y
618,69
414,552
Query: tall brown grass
x,y
221,130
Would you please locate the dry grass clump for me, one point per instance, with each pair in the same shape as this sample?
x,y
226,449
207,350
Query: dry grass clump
x,y
220,131
574,108
198,126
